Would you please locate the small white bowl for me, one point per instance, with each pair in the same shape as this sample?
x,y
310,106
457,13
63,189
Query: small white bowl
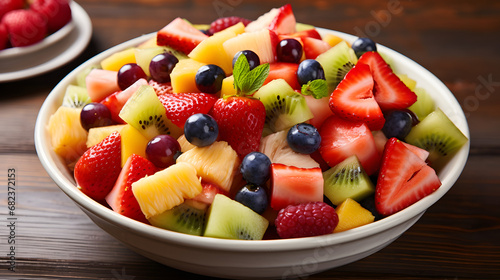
x,y
254,259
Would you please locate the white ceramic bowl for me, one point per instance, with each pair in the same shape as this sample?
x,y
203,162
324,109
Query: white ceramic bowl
x,y
254,259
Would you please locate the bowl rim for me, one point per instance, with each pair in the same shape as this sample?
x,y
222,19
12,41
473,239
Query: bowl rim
x,y
51,162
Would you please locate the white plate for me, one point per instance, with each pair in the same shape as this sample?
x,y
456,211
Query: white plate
x,y
51,56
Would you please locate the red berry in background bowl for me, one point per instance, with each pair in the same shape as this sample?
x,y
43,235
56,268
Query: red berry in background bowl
x,y
10,5
4,37
25,27
57,13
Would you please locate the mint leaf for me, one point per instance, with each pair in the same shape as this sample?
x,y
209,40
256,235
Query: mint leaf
x,y
317,88
247,81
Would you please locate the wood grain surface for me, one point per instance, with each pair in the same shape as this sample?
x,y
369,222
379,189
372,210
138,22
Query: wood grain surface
x,y
457,238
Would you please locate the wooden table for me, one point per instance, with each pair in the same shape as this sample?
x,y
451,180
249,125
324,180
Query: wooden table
x,y
457,238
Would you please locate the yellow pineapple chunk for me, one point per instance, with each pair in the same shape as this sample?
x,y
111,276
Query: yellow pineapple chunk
x,y
228,87
352,214
332,40
97,134
133,142
115,61
68,137
217,163
209,50
184,143
182,76
166,188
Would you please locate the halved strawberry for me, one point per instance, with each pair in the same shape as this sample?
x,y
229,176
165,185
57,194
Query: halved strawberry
x,y
389,91
181,106
284,70
314,47
115,101
353,98
121,198
208,193
309,33
292,185
280,20
161,88
225,22
341,139
98,168
180,35
404,179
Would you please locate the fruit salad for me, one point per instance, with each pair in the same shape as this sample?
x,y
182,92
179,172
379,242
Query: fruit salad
x,y
252,130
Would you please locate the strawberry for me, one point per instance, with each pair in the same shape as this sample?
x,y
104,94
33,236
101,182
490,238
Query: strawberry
x,y
181,106
284,70
10,5
389,91
121,198
404,179
4,37
98,168
308,33
241,122
25,27
180,35
57,13
117,100
225,22
279,20
314,47
161,88
353,98
208,193
341,139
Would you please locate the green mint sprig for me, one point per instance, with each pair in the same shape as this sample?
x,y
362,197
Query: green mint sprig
x,y
317,88
247,81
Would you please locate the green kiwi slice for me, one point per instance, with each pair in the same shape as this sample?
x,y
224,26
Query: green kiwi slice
x,y
75,97
347,180
185,218
229,219
424,105
145,112
336,62
284,106
437,134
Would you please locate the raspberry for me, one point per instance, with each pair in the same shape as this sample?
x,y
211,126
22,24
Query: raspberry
x,y
308,219
225,22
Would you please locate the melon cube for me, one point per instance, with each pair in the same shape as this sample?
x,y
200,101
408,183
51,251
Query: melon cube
x,y
228,88
97,134
183,76
115,61
101,83
263,43
133,142
351,215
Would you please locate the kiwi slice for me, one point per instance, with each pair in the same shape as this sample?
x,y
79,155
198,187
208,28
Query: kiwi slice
x,y
336,62
145,112
424,105
347,180
82,75
230,219
437,134
188,217
75,97
284,106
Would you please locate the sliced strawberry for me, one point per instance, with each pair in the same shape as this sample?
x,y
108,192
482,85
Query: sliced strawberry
x,y
292,185
98,168
353,98
308,33
181,106
121,198
390,92
279,20
115,101
284,70
241,122
341,139
208,193
161,88
404,179
314,47
180,35
225,22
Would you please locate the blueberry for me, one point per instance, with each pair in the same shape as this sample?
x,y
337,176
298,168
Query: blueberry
x,y
397,124
310,70
201,130
254,197
252,58
362,45
303,138
209,78
256,168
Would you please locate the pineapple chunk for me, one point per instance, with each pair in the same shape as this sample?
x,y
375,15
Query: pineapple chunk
x,y
133,142
332,40
228,87
166,188
183,75
97,134
115,61
184,143
150,43
352,214
217,163
67,134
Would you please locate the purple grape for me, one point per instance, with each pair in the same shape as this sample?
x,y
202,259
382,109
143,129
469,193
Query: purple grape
x,y
129,74
252,58
289,50
162,150
95,115
161,66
